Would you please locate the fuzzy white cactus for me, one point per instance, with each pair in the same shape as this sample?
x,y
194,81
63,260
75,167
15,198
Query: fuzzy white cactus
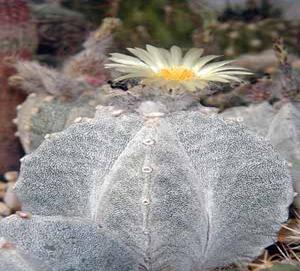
x,y
42,114
280,125
149,190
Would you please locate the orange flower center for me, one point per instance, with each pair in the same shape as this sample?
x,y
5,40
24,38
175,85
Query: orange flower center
x,y
176,73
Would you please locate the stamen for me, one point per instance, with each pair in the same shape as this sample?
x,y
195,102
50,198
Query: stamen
x,y
176,73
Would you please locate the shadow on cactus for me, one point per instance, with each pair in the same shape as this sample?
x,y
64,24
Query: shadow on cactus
x,y
150,186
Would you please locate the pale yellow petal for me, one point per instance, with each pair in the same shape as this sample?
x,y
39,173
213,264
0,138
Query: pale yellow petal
x,y
232,78
169,69
231,68
143,55
213,66
166,55
157,56
125,59
191,57
235,72
203,61
176,56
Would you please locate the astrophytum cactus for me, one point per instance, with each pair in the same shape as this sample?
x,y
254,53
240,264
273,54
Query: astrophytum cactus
x,y
280,125
42,114
59,96
149,189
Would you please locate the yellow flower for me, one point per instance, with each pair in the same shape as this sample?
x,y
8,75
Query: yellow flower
x,y
171,70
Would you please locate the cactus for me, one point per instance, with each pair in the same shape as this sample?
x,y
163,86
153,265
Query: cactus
x,y
35,78
17,40
50,105
148,186
89,63
60,96
42,114
278,123
280,126
81,72
288,77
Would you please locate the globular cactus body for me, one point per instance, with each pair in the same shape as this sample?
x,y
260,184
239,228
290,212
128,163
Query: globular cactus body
x,y
59,97
280,126
41,114
153,190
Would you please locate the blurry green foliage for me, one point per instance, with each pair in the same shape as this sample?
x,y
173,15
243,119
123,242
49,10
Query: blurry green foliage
x,y
247,29
159,22
237,37
240,29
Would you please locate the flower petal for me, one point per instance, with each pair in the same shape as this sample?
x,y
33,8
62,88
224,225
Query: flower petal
x,y
176,56
143,55
157,56
191,57
213,66
203,61
159,67
125,59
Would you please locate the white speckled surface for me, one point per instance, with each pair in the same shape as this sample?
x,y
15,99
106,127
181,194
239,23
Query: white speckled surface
x,y
183,192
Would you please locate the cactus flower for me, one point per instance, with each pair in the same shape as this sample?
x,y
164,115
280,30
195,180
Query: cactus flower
x,y
171,69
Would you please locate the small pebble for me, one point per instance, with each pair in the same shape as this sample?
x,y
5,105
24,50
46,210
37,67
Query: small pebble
x,y
4,244
4,210
24,215
48,98
3,187
11,176
10,198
